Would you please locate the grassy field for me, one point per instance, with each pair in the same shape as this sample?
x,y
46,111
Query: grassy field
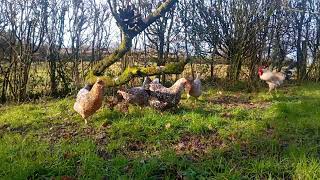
x,y
223,135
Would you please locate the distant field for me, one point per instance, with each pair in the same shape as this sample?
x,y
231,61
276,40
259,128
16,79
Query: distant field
x,y
224,135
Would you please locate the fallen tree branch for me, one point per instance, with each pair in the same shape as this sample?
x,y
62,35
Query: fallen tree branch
x,y
132,72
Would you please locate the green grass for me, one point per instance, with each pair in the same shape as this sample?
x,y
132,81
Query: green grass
x,y
223,135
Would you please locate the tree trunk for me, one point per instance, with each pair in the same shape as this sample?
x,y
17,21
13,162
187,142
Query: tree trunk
x,y
52,72
212,70
234,68
303,64
53,82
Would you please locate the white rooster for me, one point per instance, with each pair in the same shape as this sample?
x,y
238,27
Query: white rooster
x,y
273,79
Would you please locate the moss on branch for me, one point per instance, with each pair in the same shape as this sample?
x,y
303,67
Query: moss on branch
x,y
124,47
132,72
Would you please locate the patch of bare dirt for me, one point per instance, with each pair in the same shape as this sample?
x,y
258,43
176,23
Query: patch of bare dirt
x,y
67,178
65,130
197,145
72,130
238,101
227,115
103,154
269,131
136,146
5,128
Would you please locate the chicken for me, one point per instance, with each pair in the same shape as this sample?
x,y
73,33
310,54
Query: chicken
x,y
194,88
89,99
154,94
273,79
156,104
146,82
163,98
156,80
136,95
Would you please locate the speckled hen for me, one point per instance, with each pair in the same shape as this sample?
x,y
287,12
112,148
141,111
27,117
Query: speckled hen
x,y
136,95
163,98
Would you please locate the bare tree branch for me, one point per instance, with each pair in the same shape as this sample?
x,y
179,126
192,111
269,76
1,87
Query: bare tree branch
x,y
128,34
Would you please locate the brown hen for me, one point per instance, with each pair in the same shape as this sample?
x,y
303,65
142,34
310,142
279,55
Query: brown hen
x,y
89,100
